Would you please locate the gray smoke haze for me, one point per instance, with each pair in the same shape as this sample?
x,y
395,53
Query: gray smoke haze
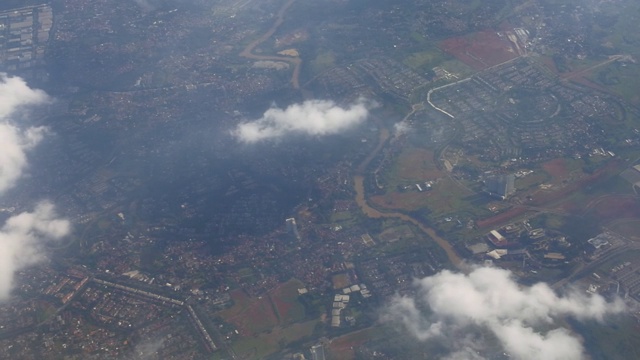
x,y
145,5
22,238
312,117
147,350
15,97
448,304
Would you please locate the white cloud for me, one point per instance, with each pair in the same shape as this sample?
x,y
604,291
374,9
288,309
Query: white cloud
x,y
15,96
22,238
489,298
401,128
145,5
13,157
312,117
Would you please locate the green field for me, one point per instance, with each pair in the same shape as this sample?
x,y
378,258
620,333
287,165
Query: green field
x,y
344,218
268,323
626,227
325,60
258,347
285,298
620,78
425,60
534,179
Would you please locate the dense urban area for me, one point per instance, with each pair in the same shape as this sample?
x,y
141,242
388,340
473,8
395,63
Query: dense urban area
x,y
500,134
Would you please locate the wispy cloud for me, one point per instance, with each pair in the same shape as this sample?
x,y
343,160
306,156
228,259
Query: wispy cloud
x,y
312,117
448,305
147,350
15,97
21,240
23,236
145,5
15,94
13,157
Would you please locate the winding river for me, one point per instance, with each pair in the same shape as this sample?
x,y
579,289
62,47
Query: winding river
x,y
361,199
358,179
295,61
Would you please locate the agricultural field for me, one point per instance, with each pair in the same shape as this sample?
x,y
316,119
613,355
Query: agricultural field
x,y
562,170
608,208
342,348
480,50
323,61
534,179
285,300
618,78
630,228
412,165
251,316
396,233
417,166
425,60
260,346
445,197
269,322
344,218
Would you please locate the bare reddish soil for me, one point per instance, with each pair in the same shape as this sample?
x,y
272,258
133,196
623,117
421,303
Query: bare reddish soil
x,y
250,315
542,199
501,218
557,169
480,50
615,207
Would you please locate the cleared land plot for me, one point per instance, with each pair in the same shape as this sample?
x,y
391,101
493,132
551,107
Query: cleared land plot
x,y
562,169
424,60
258,347
531,180
343,347
268,322
413,165
416,166
615,207
340,281
446,197
285,300
480,50
629,228
397,233
619,78
252,316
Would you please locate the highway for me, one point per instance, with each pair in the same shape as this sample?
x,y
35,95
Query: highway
x,y
585,269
